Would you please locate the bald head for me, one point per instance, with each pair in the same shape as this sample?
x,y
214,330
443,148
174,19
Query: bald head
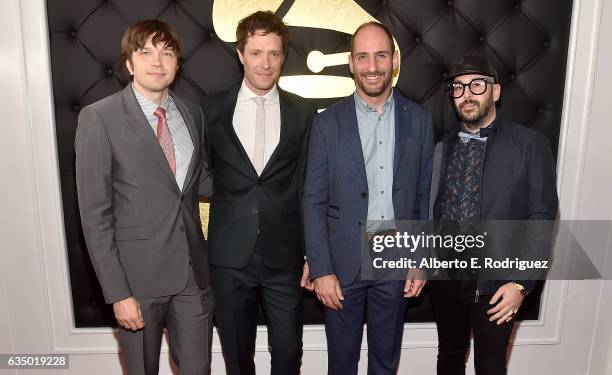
x,y
373,29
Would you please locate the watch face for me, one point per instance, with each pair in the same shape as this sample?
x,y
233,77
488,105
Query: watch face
x,y
520,288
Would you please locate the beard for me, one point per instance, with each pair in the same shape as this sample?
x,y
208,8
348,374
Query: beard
x,y
474,119
374,91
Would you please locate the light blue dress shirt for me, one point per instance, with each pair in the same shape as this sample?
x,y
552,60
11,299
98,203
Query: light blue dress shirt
x,y
377,135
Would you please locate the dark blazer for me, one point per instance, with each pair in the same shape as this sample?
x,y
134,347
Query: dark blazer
x,y
518,174
244,203
518,182
141,230
336,189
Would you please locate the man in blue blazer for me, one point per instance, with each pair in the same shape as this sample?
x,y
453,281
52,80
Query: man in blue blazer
x,y
369,161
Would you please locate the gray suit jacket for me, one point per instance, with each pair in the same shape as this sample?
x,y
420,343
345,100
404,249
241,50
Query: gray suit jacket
x,y
141,230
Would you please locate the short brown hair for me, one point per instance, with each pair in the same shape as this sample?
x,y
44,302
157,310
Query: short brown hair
x,y
375,24
136,36
266,22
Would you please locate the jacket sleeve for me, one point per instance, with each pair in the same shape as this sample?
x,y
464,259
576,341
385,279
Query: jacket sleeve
x,y
206,186
543,205
543,201
94,190
301,170
316,198
421,208
426,156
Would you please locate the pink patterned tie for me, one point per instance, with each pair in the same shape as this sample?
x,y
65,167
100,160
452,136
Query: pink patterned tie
x,y
165,138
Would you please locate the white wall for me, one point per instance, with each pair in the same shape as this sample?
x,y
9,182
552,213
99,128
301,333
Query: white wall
x,y
573,335
596,198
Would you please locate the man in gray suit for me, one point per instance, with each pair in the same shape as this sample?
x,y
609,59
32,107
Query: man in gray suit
x,y
138,165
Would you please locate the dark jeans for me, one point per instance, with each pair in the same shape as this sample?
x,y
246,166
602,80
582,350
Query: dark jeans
x,y
238,293
457,315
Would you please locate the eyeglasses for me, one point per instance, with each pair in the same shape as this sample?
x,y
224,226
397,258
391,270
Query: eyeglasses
x,y
477,86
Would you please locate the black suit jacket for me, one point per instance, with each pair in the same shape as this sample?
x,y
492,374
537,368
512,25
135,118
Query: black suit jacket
x,y
518,183
245,204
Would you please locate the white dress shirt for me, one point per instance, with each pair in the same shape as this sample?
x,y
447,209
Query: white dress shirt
x,y
244,120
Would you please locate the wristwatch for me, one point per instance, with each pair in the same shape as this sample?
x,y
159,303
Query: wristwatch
x,y
521,288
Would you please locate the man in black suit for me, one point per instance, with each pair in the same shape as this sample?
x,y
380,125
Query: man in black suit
x,y
256,134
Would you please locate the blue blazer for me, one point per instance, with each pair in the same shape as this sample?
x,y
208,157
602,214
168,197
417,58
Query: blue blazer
x,y
335,200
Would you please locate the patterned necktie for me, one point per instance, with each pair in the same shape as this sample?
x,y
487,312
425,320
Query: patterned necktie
x,y
260,135
165,138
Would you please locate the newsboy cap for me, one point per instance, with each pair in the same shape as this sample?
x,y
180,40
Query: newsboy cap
x,y
472,65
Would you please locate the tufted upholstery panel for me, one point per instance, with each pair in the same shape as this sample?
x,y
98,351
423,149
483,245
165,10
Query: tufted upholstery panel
x,y
525,39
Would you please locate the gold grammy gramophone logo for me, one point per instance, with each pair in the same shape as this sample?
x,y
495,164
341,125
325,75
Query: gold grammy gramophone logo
x,y
343,16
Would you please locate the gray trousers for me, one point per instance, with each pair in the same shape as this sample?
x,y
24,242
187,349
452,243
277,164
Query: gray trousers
x,y
188,317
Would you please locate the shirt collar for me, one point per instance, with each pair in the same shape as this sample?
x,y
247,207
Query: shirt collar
x,y
148,106
365,107
483,132
245,93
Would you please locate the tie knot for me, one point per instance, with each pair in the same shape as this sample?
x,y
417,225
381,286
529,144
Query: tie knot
x,y
160,113
259,100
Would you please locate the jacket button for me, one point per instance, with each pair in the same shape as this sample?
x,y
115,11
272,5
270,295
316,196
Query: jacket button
x,y
259,182
363,195
182,229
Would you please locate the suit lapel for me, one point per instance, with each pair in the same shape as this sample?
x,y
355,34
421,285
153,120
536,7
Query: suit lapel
x,y
286,120
137,120
351,135
195,139
402,130
227,124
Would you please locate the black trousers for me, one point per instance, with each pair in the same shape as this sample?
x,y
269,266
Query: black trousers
x,y
238,294
458,315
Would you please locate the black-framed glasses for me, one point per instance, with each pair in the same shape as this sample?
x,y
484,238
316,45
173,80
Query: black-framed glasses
x,y
477,86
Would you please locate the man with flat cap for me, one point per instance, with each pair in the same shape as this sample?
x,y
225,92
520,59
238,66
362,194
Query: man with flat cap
x,y
488,168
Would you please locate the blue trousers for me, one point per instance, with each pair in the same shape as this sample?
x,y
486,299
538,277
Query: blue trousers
x,y
382,306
